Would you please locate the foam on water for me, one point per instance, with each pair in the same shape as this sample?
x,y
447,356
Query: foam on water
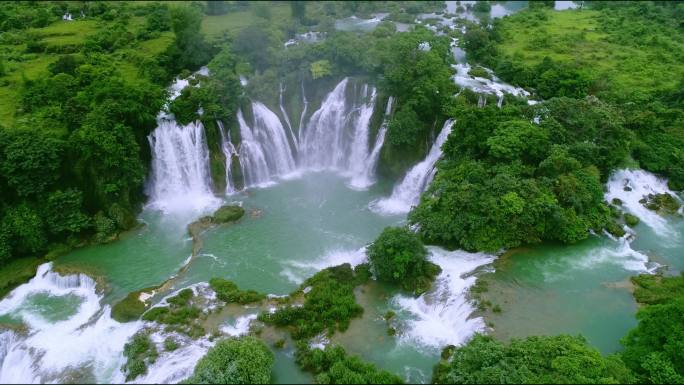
x,y
640,183
240,327
298,271
88,339
441,316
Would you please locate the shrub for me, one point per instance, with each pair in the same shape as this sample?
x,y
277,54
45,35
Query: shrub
x,y
244,360
398,256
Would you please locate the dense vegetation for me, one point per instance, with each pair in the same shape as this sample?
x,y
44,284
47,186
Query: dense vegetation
x,y
653,349
80,98
229,292
139,352
182,314
399,257
328,304
505,181
526,174
244,360
628,54
535,360
332,365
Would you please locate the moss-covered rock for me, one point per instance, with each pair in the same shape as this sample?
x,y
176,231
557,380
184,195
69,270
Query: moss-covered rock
x,y
615,229
228,213
479,72
16,272
631,220
662,203
131,307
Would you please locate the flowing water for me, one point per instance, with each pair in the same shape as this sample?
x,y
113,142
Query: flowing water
x,y
406,194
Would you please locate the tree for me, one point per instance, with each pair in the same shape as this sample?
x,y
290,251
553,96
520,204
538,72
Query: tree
x,y
320,69
398,256
535,360
332,365
31,161
244,360
298,9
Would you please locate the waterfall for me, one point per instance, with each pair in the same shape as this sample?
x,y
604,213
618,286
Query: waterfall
x,y
287,118
443,315
366,177
264,151
252,158
336,136
228,151
306,107
321,145
180,167
630,186
407,193
359,145
52,348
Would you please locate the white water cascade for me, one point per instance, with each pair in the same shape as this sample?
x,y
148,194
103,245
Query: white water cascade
x,y
442,316
228,151
630,186
336,136
366,177
406,194
180,177
264,151
84,343
287,118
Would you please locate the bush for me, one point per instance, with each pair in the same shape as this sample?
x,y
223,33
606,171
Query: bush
x,y
228,213
139,353
332,365
244,360
534,360
229,292
329,303
398,256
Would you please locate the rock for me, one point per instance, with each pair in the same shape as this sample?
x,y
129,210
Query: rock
x,y
131,307
663,203
631,220
256,213
228,213
617,201
615,229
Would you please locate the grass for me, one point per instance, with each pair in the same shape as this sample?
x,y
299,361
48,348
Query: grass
x,y
575,37
233,22
16,272
31,66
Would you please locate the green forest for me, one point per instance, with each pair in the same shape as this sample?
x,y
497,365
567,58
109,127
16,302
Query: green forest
x,y
554,104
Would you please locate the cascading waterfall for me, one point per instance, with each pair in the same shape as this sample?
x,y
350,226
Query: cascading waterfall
x,y
321,141
303,115
180,167
336,136
228,151
287,118
359,145
264,151
442,316
252,158
180,178
366,177
630,186
407,193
